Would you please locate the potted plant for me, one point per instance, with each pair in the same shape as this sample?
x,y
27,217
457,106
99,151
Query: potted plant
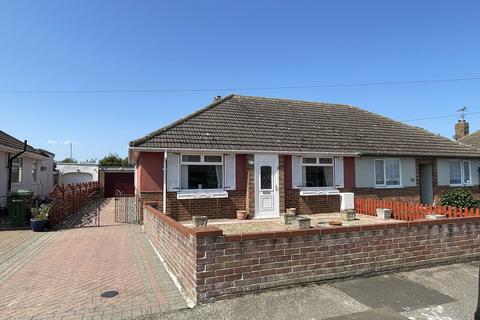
x,y
242,214
39,220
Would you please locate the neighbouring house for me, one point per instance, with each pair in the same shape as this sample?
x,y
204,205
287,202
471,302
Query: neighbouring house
x,y
69,173
264,155
30,168
463,135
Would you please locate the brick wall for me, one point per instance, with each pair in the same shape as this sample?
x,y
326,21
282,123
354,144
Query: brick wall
x,y
229,266
311,204
409,194
175,245
212,266
181,210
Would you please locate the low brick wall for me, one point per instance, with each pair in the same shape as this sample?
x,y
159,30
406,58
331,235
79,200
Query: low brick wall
x,y
213,266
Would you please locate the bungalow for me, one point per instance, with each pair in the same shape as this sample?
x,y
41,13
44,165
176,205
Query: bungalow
x,y
264,155
24,167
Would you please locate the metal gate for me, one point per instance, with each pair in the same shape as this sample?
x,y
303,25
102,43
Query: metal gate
x,y
126,208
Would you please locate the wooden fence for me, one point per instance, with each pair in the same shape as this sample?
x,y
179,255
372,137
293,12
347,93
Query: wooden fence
x,y
410,211
69,199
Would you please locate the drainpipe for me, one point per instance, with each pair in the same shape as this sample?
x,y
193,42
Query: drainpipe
x,y
164,181
10,164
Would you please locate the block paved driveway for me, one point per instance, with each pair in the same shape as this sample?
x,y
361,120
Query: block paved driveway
x,y
61,275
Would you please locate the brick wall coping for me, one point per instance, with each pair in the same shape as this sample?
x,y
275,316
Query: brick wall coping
x,y
208,231
212,231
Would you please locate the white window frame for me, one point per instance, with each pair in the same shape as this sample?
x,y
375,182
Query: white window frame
x,y
462,173
201,162
317,164
385,185
20,170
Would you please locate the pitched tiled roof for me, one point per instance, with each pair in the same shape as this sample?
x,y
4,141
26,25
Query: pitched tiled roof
x,y
12,142
473,139
244,123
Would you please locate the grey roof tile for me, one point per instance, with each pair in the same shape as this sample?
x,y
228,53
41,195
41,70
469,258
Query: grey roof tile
x,y
244,123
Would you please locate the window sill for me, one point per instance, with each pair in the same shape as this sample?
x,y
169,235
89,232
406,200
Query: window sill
x,y
183,195
324,192
460,185
389,187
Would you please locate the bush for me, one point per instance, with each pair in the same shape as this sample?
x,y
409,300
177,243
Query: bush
x,y
41,213
459,198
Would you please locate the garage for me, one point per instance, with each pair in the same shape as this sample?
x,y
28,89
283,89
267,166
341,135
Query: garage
x,y
116,179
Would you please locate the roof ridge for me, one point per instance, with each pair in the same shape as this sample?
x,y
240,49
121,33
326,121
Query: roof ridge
x,y
292,100
169,126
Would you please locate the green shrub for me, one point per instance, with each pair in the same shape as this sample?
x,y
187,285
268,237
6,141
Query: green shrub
x,y
459,198
41,213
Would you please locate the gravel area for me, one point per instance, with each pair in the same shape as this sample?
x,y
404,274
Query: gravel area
x,y
233,226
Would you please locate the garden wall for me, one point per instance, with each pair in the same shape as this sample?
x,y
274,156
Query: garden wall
x,y
213,266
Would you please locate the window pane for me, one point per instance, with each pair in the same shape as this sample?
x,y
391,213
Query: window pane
x,y
325,160
191,158
212,158
379,173
266,177
455,172
392,172
202,177
317,176
15,173
466,172
34,171
309,160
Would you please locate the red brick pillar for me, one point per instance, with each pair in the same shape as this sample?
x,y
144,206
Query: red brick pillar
x,y
250,201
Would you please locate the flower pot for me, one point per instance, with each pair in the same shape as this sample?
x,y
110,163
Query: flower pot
x,y
288,218
199,221
38,225
384,213
302,222
292,211
242,214
348,215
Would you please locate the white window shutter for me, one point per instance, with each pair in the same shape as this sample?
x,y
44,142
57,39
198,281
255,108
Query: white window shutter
x,y
229,164
339,172
296,172
173,172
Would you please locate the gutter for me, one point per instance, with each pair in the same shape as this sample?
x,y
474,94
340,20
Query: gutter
x,y
10,160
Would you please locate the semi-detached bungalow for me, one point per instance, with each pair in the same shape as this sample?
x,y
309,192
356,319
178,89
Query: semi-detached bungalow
x,y
264,155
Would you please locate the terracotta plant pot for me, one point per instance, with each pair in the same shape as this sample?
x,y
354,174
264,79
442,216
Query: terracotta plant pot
x,y
242,214
292,211
335,222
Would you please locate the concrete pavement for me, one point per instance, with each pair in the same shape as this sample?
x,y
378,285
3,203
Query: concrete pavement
x,y
440,293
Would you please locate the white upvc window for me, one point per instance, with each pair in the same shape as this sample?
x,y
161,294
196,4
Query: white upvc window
x,y
388,173
34,171
201,172
460,173
317,172
17,170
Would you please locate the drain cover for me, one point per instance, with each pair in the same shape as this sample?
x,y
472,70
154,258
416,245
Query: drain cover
x,y
109,294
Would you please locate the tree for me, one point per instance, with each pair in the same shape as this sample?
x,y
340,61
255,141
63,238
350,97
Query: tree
x,y
69,160
113,160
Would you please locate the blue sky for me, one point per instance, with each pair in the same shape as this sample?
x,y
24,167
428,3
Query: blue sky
x,y
142,44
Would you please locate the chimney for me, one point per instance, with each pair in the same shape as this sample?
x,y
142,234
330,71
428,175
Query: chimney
x,y
217,98
462,129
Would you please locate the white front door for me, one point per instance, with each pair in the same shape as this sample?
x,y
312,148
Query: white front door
x,y
267,201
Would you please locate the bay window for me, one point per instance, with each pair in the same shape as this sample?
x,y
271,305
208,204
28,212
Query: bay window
x,y
201,172
460,172
317,172
17,170
387,173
